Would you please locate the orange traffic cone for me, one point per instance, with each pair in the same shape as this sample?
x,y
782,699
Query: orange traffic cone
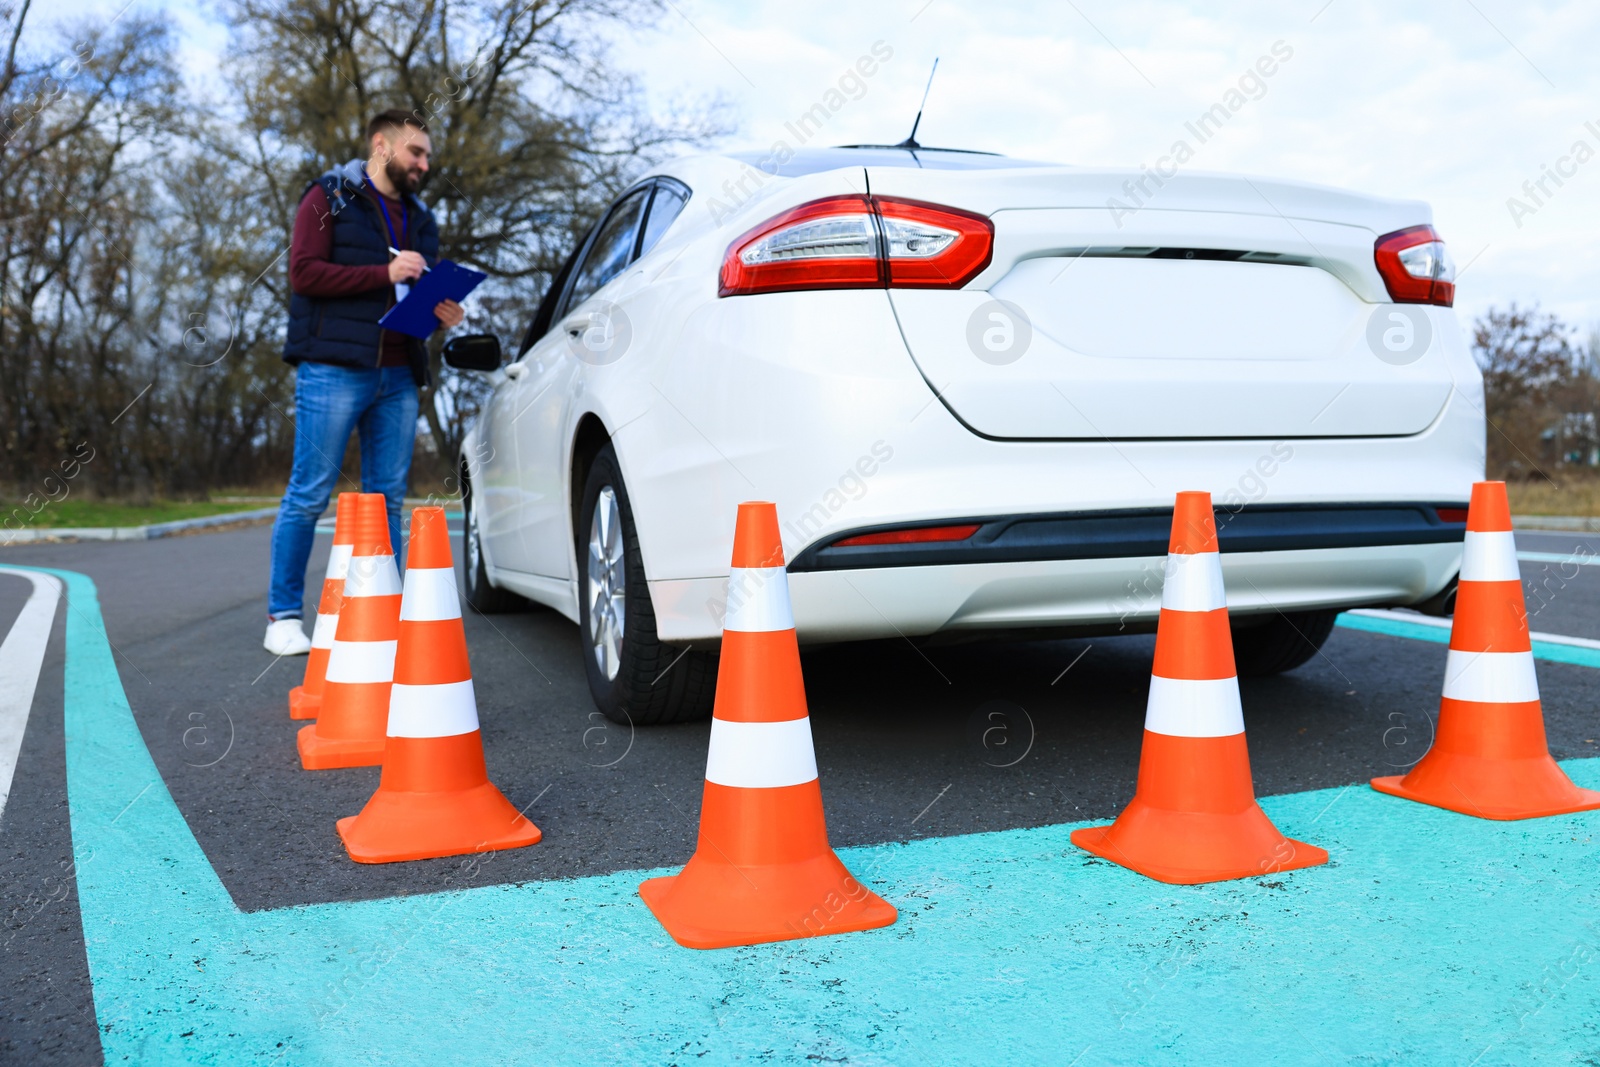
x,y
762,870
1194,816
435,797
305,699
349,731
1489,756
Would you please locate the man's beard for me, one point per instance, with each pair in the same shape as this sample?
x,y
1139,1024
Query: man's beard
x,y
406,180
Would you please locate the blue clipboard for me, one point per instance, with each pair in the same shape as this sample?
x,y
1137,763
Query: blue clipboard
x,y
446,281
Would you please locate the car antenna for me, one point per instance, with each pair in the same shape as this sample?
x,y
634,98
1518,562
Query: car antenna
x,y
910,143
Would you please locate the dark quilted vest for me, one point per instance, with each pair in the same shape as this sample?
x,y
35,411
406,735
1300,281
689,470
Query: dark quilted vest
x,y
344,330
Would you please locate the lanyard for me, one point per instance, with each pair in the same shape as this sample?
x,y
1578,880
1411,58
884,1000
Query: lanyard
x,y
383,207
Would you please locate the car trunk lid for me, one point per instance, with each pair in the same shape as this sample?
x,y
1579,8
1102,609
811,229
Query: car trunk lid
x,y
1218,307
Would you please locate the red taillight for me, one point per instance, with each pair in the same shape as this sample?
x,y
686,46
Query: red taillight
x,y
858,242
919,535
826,244
1451,514
1416,267
932,247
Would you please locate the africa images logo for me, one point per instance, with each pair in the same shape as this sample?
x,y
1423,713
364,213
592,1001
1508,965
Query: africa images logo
x,y
602,335
1399,334
999,332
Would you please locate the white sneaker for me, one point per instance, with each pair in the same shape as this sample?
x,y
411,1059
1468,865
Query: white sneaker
x,y
286,637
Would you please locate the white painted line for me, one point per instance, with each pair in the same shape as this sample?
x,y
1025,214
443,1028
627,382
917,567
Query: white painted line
x,y
1563,639
1555,524
21,660
1589,560
1444,624
1402,616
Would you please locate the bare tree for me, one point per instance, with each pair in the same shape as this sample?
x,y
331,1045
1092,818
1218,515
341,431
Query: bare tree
x,y
144,232
81,115
1532,376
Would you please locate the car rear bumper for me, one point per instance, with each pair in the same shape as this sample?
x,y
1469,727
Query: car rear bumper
x,y
1143,532
1084,594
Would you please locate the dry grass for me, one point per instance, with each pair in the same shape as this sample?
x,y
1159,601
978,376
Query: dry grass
x,y
1569,495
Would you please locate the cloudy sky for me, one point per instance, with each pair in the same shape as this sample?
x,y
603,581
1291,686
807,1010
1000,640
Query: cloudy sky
x,y
1458,102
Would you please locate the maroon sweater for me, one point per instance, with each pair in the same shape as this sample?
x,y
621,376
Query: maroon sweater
x,y
313,273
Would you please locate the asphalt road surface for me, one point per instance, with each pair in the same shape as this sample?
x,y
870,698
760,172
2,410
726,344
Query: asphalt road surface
x,y
911,742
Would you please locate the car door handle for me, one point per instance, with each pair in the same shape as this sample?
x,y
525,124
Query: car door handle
x,y
516,370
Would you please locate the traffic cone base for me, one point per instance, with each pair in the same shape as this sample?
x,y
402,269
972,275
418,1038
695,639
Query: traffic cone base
x,y
800,889
434,799
397,826
1194,817
304,705
1491,761
1190,848
1542,788
320,753
716,906
434,830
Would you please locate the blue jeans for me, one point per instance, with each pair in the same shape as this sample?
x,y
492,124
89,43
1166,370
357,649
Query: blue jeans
x,y
330,402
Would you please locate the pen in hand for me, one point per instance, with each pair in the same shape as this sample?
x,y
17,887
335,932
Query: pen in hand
x,y
395,251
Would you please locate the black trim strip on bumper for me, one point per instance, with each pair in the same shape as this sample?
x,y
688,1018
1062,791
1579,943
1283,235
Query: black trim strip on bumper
x,y
1143,532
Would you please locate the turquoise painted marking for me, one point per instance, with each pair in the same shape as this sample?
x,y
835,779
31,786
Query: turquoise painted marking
x,y
1430,938
1583,657
1417,631
1440,635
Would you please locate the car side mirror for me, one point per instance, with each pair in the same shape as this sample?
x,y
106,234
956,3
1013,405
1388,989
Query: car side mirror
x,y
477,351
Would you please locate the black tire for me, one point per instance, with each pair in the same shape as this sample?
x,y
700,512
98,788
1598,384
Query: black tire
x,y
635,678
1281,643
480,595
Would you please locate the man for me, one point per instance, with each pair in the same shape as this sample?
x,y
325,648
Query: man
x,y
361,237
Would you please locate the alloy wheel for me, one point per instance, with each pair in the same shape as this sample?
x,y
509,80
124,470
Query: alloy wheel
x,y
471,547
606,583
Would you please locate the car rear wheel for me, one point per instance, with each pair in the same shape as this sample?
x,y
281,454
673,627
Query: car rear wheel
x,y
480,595
633,676
1281,643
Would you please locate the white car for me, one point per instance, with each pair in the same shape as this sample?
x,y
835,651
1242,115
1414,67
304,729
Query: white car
x,y
972,385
